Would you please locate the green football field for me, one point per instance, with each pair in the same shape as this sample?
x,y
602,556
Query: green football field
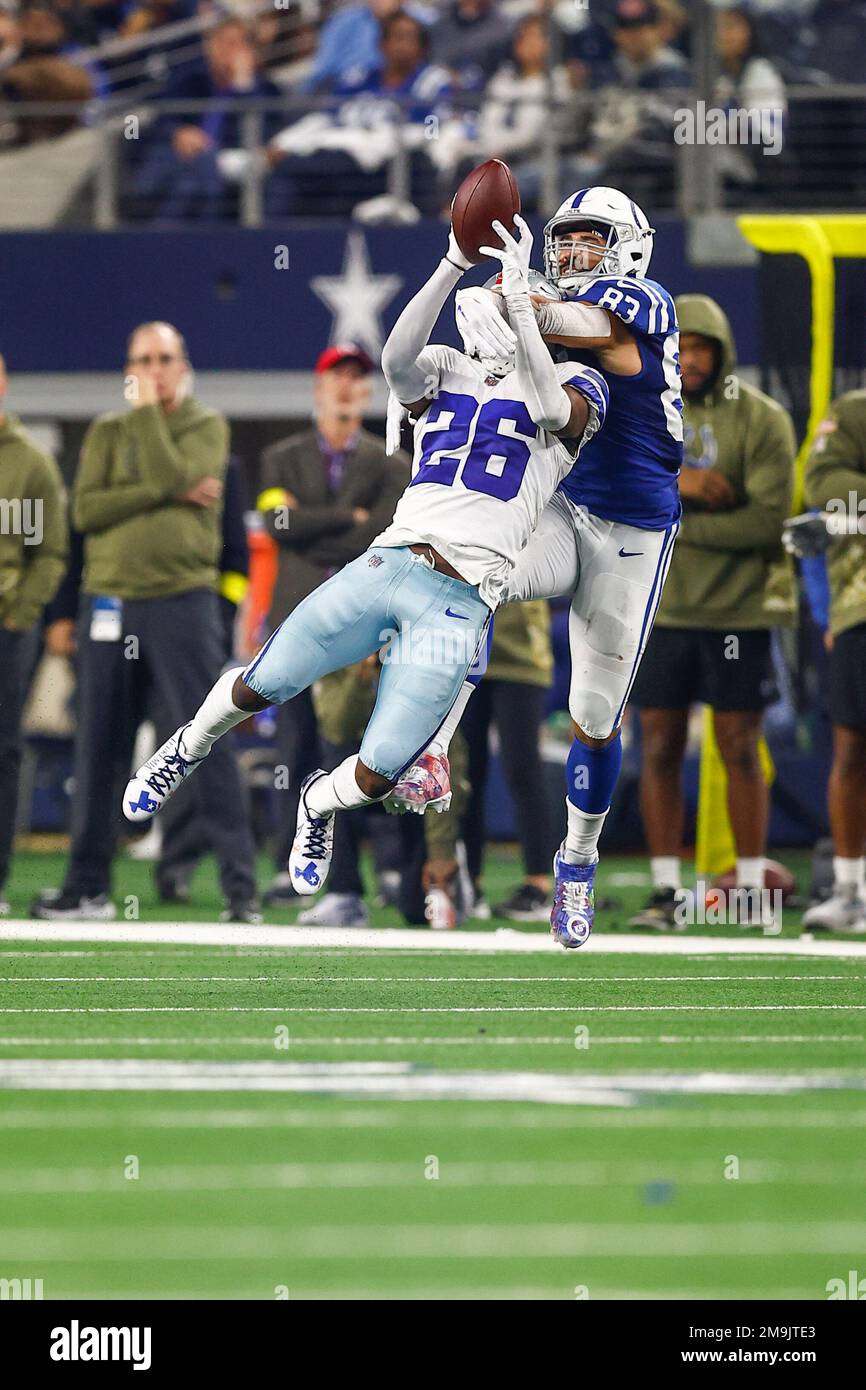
x,y
394,1115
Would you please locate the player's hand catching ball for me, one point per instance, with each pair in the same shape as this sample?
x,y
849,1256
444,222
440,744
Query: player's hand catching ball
x,y
513,256
455,255
484,329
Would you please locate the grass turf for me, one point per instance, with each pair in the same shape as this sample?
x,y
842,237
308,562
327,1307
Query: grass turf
x,y
242,1193
622,886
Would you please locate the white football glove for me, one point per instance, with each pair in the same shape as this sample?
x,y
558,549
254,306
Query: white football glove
x,y
484,331
454,254
513,256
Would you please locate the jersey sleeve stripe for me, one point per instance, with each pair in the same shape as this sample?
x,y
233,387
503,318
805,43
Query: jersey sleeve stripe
x,y
660,312
656,305
595,389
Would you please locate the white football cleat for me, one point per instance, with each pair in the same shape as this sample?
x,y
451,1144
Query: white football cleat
x,y
310,857
845,911
158,778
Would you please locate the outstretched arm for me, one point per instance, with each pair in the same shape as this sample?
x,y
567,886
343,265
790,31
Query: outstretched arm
x,y
574,324
560,409
409,381
569,322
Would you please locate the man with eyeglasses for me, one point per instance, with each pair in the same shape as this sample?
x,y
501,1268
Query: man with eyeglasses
x,y
148,498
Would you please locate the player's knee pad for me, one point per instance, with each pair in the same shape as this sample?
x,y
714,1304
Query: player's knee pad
x,y
593,710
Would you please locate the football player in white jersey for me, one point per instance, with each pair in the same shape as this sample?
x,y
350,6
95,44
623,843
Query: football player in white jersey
x,y
607,536
493,441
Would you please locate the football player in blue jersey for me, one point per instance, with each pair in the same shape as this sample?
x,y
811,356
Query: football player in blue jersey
x,y
607,535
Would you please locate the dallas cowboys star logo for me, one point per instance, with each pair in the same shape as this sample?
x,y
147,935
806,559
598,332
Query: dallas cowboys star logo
x,y
357,297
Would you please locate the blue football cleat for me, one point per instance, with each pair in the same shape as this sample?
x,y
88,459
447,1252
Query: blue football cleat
x,y
573,903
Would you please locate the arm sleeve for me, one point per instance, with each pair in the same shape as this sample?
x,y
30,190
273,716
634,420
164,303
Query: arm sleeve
x,y
546,398
837,462
404,373
96,505
757,524
47,565
572,320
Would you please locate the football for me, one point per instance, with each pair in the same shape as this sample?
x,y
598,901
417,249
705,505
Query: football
x,y
486,195
777,878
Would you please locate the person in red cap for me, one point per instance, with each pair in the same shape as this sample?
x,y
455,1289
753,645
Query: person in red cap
x,y
337,489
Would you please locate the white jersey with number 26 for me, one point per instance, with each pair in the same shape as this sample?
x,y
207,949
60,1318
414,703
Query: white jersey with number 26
x,y
483,471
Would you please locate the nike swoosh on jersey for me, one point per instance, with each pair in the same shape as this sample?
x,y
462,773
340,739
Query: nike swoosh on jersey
x,y
449,614
627,554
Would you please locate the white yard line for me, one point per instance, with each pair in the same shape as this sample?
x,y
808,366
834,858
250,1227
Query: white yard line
x,y
362,1115
350,979
562,1040
230,954
431,1293
503,940
566,1240
576,1008
401,1081
216,1177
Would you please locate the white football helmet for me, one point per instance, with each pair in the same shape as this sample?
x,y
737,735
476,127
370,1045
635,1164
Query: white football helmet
x,y
500,364
625,227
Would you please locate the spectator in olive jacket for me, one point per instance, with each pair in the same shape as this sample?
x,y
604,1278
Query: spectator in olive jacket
x,y
33,550
148,497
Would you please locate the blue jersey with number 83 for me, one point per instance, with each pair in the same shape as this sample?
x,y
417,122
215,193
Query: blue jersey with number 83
x,y
628,472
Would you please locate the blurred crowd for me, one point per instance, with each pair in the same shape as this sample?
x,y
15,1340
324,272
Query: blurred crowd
x,y
341,89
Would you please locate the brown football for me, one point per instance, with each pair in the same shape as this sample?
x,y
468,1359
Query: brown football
x,y
489,193
776,878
